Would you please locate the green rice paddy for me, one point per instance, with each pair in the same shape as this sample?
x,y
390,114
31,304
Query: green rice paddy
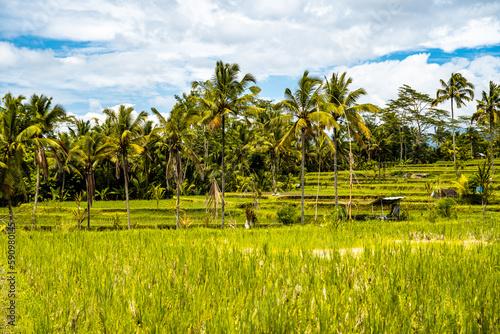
x,y
360,276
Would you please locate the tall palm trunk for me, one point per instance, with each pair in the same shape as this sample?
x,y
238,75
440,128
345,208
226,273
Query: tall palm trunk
x,y
317,191
379,167
273,170
302,177
178,194
223,172
89,197
400,144
205,146
453,131
63,184
125,176
146,169
335,168
178,172
491,146
351,162
33,221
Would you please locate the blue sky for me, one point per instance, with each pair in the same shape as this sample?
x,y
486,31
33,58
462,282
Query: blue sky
x,y
96,54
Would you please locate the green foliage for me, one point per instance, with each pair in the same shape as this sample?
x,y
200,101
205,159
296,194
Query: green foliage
x,y
295,279
462,185
445,207
103,194
335,217
116,222
287,214
79,213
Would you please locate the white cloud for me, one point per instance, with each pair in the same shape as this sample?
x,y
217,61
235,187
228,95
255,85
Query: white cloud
x,y
143,52
381,80
484,31
163,103
94,117
8,58
95,105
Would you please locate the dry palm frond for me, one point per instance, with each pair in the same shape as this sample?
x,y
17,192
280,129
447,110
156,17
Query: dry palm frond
x,y
213,201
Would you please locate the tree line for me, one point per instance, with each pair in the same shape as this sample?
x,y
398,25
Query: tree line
x,y
222,133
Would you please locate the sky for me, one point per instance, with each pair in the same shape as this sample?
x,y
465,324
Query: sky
x,y
89,55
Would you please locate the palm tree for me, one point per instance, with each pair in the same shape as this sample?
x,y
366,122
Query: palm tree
x,y
41,112
15,137
303,105
225,96
270,127
457,90
488,111
379,142
58,157
321,146
346,110
125,133
177,131
81,127
147,141
91,149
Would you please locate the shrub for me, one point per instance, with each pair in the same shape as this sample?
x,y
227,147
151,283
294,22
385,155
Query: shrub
x,y
445,207
474,199
287,214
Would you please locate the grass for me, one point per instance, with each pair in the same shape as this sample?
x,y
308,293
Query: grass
x,y
364,276
367,276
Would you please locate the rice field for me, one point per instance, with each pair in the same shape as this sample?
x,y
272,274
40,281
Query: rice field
x,y
369,276
363,276
107,215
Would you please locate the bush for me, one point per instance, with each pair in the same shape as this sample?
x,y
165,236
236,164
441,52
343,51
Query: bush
x,y
445,207
287,214
474,199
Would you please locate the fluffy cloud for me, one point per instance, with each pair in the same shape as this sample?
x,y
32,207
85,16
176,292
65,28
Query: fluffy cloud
x,y
142,52
381,80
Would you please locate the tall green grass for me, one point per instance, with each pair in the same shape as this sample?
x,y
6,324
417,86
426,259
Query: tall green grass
x,y
364,277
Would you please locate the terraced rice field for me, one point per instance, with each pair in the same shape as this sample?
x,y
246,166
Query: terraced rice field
x,y
112,214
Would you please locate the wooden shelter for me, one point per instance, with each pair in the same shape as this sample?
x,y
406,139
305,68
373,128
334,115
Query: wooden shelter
x,y
444,192
480,156
388,203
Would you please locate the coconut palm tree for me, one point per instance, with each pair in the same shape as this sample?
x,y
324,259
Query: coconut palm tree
x,y
41,112
270,126
91,149
125,134
224,96
176,131
58,157
346,110
304,107
488,112
457,90
379,143
15,137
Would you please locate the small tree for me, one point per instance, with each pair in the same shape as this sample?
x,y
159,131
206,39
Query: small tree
x,y
157,193
287,214
445,206
482,179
